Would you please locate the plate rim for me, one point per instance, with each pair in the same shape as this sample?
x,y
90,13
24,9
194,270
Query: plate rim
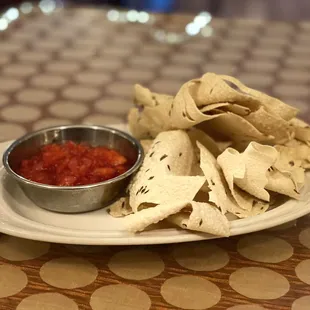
x,y
22,227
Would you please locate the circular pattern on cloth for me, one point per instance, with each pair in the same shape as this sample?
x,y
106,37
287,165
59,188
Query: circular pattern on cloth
x,y
194,59
93,78
49,81
35,96
246,307
4,59
260,66
264,248
135,75
267,53
190,292
234,44
298,62
68,109
16,249
19,70
198,47
146,61
302,271
77,54
50,45
12,280
68,272
20,113
292,75
289,90
304,237
81,92
301,103
88,249
220,68
120,89
227,56
63,67
10,131
155,49
120,297
200,256
284,226
178,72
113,105
301,303
47,301
259,283
136,264
8,84
34,56
10,47
3,100
49,122
256,80
116,52
166,86
105,64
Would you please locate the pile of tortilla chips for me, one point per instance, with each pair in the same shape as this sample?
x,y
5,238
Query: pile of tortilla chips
x,y
216,150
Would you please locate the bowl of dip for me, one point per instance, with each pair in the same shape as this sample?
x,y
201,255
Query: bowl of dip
x,y
73,169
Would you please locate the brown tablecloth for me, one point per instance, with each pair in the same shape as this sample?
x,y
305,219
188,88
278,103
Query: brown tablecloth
x,y
74,66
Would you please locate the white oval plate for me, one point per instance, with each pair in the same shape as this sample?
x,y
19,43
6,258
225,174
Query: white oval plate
x,y
22,218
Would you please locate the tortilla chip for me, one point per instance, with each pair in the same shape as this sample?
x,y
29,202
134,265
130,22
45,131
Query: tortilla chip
x,y
165,189
166,171
259,207
146,144
146,217
185,107
204,218
257,159
272,105
237,109
290,166
233,167
204,139
282,184
268,123
144,97
120,208
235,127
302,130
295,151
218,190
212,88
137,128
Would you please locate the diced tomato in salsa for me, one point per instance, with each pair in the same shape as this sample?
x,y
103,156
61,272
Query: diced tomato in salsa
x,y
73,164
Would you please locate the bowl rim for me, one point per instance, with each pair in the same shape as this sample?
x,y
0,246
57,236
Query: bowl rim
x,y
16,176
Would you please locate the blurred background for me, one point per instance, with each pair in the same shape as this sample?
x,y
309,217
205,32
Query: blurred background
x,y
263,9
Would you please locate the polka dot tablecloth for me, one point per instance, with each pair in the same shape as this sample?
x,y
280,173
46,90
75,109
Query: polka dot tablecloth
x,y
74,66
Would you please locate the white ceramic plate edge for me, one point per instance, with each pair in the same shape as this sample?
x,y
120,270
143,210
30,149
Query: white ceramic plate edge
x,y
15,226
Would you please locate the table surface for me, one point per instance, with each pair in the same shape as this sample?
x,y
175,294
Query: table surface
x,y
75,66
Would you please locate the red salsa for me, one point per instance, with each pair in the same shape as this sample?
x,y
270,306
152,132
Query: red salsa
x,y
72,164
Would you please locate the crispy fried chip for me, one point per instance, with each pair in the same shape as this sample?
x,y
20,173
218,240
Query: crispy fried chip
x,y
282,184
257,159
120,208
302,130
271,104
233,166
199,216
268,123
166,171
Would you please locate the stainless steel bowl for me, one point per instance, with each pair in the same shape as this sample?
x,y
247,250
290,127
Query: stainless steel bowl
x,y
73,199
